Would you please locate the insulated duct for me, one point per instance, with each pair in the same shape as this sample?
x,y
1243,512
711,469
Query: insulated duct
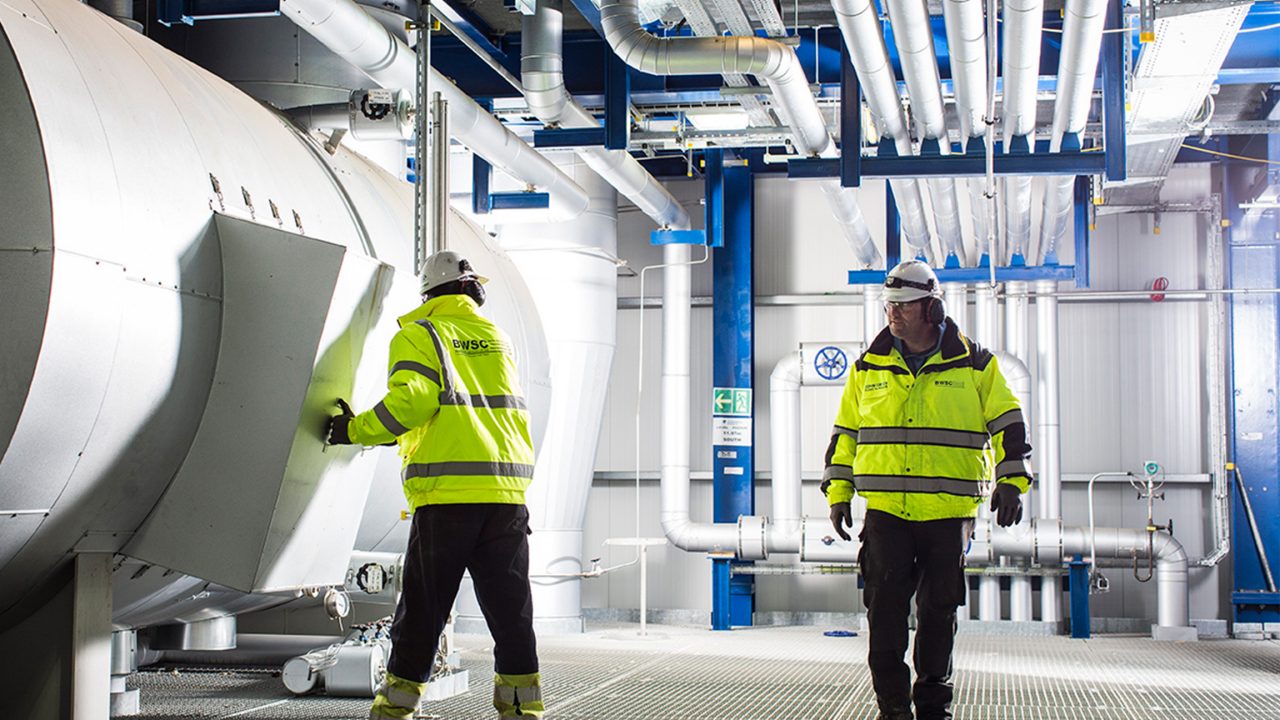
x,y
542,75
966,43
771,61
860,28
1077,65
913,35
347,30
1023,25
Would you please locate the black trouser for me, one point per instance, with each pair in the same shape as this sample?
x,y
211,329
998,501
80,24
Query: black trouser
x,y
491,541
900,558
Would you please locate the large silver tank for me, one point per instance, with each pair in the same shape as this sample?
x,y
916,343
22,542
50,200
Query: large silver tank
x,y
187,283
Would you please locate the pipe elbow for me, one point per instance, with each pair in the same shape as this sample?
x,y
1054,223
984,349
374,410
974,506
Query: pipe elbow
x,y
786,374
1167,550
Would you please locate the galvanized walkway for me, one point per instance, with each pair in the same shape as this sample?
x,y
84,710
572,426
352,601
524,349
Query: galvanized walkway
x,y
795,673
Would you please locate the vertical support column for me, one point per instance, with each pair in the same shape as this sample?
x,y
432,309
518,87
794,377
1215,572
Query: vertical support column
x,y
1015,342
720,578
1047,456
480,171
986,332
1079,579
892,230
617,98
91,637
850,123
733,346
1082,200
1113,92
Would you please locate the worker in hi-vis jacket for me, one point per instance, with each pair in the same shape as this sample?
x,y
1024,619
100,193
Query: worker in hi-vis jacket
x,y
455,409
925,422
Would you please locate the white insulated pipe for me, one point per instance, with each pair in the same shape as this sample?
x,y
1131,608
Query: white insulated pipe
x,y
966,43
843,202
1019,379
1082,28
1048,432
986,333
873,320
769,60
1023,26
784,438
860,28
542,75
913,35
346,29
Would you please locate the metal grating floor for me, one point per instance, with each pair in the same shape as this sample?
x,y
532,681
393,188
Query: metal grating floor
x,y
794,673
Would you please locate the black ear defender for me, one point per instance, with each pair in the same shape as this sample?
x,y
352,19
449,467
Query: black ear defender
x,y
937,310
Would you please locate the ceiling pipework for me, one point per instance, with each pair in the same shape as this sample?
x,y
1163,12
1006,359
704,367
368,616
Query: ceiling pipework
x,y
347,30
966,41
860,28
1023,21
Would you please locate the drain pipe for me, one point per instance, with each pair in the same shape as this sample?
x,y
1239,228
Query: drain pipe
x,y
1023,23
542,75
914,37
860,28
966,42
347,30
1077,65
769,60
1048,433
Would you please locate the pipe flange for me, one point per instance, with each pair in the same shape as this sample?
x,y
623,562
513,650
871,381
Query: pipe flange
x,y
980,548
1048,537
751,537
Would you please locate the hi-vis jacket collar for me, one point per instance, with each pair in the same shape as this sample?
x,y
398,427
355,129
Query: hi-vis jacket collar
x,y
953,350
442,305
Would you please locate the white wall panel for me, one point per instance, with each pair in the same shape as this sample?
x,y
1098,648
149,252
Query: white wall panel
x,y
1132,389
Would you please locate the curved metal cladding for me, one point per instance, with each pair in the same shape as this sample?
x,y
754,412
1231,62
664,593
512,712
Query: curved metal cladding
x,y
188,282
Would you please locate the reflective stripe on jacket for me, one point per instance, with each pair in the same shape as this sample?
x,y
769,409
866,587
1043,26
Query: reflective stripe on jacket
x,y
919,446
454,407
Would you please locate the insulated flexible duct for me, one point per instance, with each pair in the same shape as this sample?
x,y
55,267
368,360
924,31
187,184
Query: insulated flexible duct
x,y
860,28
347,30
1077,65
1023,21
542,75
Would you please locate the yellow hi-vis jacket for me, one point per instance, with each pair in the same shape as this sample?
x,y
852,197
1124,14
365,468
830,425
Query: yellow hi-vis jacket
x,y
919,446
454,407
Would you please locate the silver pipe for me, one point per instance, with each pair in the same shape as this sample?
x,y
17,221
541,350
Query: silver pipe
x,y
1019,378
913,35
1253,528
966,39
325,116
674,485
1093,545
873,320
955,295
347,30
542,72
844,205
1022,29
426,242
985,333
784,436
860,28
770,60
1048,431
439,174
1082,27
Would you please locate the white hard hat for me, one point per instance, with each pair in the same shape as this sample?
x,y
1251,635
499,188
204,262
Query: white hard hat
x,y
445,267
911,280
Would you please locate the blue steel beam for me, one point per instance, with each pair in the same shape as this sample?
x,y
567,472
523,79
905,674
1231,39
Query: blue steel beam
x,y
1113,93
892,232
519,200
475,28
977,274
1082,199
569,137
617,100
590,13
850,123
1079,163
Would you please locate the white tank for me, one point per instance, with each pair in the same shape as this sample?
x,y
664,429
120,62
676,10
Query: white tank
x,y
188,282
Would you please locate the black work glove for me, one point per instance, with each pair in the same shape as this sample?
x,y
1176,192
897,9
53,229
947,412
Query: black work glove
x,y
1006,503
842,517
338,424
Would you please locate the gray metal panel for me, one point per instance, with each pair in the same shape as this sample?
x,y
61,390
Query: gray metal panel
x,y
26,265
276,293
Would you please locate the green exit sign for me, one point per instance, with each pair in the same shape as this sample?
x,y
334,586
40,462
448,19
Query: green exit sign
x,y
731,401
